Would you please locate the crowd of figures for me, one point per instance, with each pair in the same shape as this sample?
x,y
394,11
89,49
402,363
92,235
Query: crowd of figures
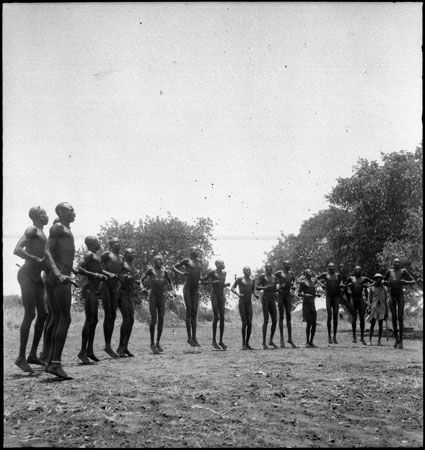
x,y
112,276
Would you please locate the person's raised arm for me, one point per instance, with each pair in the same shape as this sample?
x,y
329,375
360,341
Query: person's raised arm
x,y
182,263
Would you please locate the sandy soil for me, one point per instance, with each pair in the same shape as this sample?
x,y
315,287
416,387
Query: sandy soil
x,y
344,395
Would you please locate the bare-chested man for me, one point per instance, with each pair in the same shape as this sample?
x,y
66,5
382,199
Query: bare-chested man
x,y
59,254
126,302
193,269
332,282
358,285
112,264
30,247
218,300
246,290
395,279
268,284
286,280
91,267
307,291
159,278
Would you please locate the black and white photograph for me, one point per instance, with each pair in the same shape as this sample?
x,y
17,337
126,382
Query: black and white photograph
x,y
212,224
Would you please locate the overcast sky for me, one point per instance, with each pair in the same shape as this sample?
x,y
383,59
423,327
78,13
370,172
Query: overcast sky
x,y
246,113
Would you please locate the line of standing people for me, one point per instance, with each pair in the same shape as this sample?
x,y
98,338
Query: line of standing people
x,y
113,277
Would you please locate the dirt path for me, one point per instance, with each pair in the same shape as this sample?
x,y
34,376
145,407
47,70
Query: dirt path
x,y
344,395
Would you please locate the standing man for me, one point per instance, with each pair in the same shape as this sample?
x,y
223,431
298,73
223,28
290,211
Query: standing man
x,y
268,284
357,284
59,254
30,247
192,267
377,305
332,282
395,279
126,302
159,278
286,280
307,291
91,267
112,264
218,300
246,290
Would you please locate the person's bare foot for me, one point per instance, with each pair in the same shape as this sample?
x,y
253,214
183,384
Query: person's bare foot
x,y
110,352
329,340
154,349
93,357
249,347
395,344
292,344
265,346
363,341
223,345
215,345
282,343
272,344
334,340
121,353
23,364
400,345
128,353
57,370
32,359
244,347
195,341
84,358
191,343
159,348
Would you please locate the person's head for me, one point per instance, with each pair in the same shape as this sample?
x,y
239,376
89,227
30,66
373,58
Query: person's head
x,y
247,271
194,252
268,268
286,265
219,264
357,270
92,243
331,267
65,212
157,260
397,263
38,215
307,273
377,278
129,254
114,243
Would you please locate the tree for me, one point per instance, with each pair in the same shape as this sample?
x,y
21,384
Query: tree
x,y
382,203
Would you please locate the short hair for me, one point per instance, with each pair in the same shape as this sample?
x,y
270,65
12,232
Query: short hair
x,y
34,212
90,240
60,207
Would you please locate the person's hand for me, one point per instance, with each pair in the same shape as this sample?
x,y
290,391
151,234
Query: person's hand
x,y
64,279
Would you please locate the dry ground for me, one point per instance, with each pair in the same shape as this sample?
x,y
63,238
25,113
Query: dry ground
x,y
344,395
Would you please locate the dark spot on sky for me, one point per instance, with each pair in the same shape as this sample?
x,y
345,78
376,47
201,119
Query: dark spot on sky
x,y
161,93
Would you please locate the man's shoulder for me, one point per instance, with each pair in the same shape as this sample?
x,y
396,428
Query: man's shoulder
x,y
57,229
31,232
